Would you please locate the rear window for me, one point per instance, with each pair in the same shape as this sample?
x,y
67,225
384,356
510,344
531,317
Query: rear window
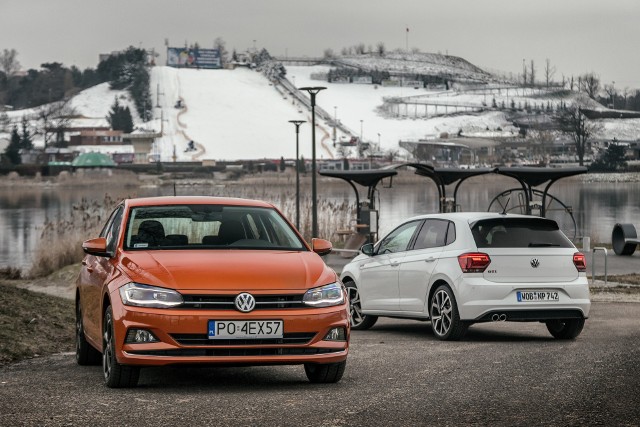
x,y
518,233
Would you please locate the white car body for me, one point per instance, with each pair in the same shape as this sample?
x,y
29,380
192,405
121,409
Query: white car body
x,y
402,283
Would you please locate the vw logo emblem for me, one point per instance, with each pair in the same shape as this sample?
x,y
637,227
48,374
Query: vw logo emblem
x,y
245,302
535,263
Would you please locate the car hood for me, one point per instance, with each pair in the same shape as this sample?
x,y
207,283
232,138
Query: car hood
x,y
232,270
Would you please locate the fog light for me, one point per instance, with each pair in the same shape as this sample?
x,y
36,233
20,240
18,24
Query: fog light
x,y
137,336
336,334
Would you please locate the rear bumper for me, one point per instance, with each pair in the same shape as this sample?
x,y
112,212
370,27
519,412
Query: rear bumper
x,y
170,325
478,300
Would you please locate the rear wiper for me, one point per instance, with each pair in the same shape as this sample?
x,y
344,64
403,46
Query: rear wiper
x,y
542,244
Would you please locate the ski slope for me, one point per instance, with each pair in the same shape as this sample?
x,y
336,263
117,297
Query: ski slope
x,y
239,114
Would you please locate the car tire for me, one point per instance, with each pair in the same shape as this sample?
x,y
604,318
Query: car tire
x,y
444,315
115,374
85,353
319,373
565,329
358,320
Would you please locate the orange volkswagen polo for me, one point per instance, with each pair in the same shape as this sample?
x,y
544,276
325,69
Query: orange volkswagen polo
x,y
207,280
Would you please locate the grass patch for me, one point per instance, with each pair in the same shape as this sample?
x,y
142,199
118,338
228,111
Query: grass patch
x,y
33,324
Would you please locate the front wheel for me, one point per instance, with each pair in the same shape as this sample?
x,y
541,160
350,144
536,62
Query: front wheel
x,y
359,321
566,329
115,374
445,319
325,373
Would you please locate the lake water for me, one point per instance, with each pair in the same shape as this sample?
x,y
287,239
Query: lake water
x,y
597,207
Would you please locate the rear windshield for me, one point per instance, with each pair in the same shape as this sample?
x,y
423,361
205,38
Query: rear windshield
x,y
208,227
518,233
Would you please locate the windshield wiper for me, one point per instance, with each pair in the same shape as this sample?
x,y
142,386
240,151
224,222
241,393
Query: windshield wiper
x,y
542,244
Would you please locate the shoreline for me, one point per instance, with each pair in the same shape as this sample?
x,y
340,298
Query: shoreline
x,y
126,178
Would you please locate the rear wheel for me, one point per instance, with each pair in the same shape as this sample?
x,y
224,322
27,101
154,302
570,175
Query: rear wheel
x,y
445,319
115,374
359,321
85,353
566,329
325,373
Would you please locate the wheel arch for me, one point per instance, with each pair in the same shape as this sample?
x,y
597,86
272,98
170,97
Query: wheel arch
x,y
432,290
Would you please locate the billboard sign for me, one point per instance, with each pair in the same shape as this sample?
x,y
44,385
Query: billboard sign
x,y
181,57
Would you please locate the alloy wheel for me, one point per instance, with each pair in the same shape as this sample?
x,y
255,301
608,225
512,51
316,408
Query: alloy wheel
x,y
355,309
107,353
441,312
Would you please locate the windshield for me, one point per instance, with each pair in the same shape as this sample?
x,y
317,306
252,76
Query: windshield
x,y
209,227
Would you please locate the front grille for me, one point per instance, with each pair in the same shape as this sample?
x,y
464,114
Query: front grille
x,y
227,302
236,352
202,339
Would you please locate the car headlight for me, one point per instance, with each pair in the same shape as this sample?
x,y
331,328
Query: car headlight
x,y
149,296
324,296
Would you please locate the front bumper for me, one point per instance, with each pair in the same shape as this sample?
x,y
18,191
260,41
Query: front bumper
x,y
182,335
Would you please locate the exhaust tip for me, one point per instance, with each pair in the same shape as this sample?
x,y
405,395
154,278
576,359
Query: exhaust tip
x,y
495,317
503,317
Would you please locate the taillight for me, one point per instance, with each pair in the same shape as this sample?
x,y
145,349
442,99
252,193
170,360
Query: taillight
x,y
474,262
580,261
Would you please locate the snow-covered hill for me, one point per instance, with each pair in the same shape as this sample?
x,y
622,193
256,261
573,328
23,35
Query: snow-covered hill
x,y
240,114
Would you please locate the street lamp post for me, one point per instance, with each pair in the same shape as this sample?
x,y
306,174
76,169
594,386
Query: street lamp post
x,y
335,124
297,123
313,91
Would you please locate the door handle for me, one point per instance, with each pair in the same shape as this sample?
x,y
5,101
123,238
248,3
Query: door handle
x,y
430,259
394,264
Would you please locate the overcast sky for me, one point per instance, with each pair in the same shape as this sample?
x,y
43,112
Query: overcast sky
x,y
577,36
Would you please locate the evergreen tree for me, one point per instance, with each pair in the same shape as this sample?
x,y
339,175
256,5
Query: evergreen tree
x,y
120,117
13,149
26,143
282,164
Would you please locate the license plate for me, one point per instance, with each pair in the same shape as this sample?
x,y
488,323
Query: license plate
x,y
243,329
537,296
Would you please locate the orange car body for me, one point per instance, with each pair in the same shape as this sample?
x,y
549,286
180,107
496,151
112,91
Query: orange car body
x,y
201,274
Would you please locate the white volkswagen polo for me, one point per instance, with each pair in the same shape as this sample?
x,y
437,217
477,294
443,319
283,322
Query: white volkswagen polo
x,y
462,268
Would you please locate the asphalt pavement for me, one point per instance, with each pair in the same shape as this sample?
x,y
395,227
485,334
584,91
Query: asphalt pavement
x,y
397,374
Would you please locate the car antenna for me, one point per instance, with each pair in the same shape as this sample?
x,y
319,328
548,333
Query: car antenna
x,y
504,211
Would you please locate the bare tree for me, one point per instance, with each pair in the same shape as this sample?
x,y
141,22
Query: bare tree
x,y
380,48
9,62
524,73
532,74
549,71
573,122
328,53
610,90
221,45
54,119
360,49
590,83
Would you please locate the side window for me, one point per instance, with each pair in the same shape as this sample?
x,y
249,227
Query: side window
x,y
114,230
109,223
433,234
398,240
451,233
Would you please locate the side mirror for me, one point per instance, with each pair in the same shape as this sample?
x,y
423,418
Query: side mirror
x,y
367,249
321,246
97,247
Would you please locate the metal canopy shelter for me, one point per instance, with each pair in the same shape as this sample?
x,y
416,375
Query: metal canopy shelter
x,y
446,176
530,177
369,179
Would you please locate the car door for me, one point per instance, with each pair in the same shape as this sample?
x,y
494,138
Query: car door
x,y
420,261
95,272
379,274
